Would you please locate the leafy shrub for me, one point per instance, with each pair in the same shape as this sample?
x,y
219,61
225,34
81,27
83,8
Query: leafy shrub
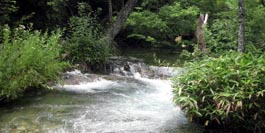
x,y
220,36
210,6
27,59
227,91
160,28
180,20
88,50
86,44
154,26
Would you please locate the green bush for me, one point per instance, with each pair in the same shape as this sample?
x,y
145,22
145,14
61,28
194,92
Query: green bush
x,y
88,50
27,59
86,44
227,91
160,28
220,36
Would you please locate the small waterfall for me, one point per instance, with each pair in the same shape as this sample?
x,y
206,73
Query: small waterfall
x,y
121,69
132,66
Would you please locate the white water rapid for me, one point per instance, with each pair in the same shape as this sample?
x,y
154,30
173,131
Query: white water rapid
x,y
138,100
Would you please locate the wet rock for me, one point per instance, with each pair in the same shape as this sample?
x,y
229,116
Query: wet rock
x,y
120,67
127,67
76,77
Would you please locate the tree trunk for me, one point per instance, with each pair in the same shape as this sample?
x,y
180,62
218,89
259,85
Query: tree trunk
x,y
121,18
200,33
110,10
241,20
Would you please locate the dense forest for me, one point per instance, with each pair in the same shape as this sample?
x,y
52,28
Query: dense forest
x,y
221,41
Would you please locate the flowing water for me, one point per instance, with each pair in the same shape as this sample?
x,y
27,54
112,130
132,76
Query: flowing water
x,y
133,98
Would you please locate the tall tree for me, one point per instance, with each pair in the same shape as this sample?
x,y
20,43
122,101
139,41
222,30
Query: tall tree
x,y
241,20
121,18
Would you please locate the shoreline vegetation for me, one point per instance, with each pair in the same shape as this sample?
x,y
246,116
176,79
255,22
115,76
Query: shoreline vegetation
x,y
226,92
224,83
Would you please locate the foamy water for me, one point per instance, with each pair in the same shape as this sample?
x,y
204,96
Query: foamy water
x,y
138,105
88,87
127,104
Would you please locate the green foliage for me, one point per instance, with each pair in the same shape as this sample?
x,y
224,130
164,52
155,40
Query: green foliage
x,y
27,59
209,6
7,7
164,26
87,49
229,90
195,55
154,4
154,26
221,33
180,20
220,36
86,43
255,30
57,12
149,2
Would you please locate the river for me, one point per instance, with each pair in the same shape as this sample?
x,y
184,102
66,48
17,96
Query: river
x,y
138,100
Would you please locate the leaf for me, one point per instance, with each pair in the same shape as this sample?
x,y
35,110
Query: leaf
x,y
179,93
206,123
